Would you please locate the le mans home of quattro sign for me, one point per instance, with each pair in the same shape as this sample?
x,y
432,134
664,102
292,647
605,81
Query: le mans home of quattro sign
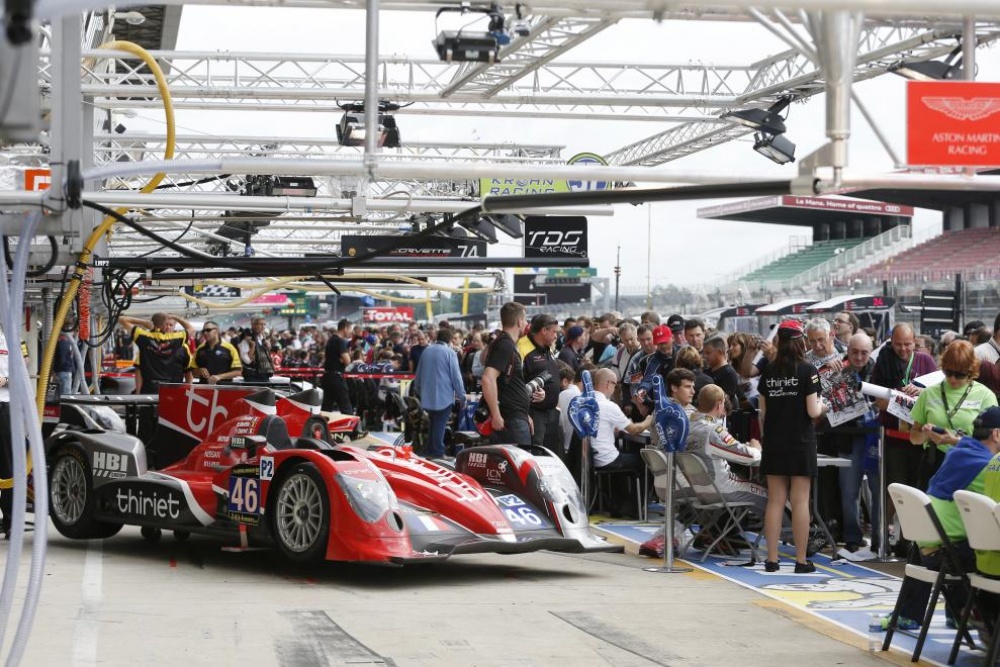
x,y
953,123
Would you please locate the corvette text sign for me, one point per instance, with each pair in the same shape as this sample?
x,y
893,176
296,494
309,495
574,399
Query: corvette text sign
x,y
954,123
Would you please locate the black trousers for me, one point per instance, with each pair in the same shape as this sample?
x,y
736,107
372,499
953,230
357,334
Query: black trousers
x,y
547,432
335,394
6,465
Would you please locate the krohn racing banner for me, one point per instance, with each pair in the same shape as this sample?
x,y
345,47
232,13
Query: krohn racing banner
x,y
555,236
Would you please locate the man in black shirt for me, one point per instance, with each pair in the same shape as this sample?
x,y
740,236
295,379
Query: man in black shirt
x,y
544,415
503,381
661,362
725,376
216,360
336,358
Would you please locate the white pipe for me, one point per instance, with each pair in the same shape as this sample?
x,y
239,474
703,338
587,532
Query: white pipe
x,y
406,169
47,9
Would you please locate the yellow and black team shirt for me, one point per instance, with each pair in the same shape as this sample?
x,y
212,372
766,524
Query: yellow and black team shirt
x,y
163,357
217,360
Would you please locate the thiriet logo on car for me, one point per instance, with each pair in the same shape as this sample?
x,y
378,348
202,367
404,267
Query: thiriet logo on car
x,y
153,505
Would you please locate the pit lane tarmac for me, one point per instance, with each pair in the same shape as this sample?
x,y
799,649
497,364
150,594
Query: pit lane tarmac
x,y
125,601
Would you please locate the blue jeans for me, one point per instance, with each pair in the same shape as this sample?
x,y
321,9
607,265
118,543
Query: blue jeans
x,y
516,432
850,489
65,382
439,421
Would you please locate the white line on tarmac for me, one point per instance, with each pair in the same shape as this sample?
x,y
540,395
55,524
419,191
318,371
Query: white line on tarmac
x,y
85,634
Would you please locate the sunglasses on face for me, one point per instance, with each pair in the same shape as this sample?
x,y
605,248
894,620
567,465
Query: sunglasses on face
x,y
958,375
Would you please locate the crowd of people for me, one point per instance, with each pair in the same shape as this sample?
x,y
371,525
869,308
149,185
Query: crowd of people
x,y
757,405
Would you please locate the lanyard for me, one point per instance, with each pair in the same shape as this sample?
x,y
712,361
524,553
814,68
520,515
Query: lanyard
x,y
951,413
909,365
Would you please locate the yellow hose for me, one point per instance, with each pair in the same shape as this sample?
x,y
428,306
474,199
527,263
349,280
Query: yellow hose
x,y
69,295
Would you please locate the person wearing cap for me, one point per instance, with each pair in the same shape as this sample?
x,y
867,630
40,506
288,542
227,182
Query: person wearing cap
x,y
503,382
987,431
966,466
676,324
539,361
661,362
215,359
789,401
574,346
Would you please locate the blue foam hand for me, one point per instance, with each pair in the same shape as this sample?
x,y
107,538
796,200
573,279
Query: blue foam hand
x,y
669,420
584,411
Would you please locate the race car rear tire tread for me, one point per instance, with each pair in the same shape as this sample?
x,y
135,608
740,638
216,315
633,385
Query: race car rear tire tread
x,y
317,428
86,526
308,478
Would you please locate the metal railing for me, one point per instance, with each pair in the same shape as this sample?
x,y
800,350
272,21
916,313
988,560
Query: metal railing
x,y
795,244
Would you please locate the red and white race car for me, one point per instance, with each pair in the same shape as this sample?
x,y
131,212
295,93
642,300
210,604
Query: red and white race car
x,y
227,466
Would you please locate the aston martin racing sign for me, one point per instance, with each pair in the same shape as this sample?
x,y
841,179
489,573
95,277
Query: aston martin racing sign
x,y
953,123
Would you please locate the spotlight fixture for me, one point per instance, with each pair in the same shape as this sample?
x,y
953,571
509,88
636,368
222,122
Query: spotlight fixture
x,y
480,227
280,186
774,147
351,130
509,224
766,120
483,47
932,70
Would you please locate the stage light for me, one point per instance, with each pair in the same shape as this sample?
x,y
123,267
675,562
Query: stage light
x,y
774,147
511,225
483,47
766,120
481,228
280,186
351,130
132,18
928,70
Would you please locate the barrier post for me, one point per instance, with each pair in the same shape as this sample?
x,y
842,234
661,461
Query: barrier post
x,y
668,525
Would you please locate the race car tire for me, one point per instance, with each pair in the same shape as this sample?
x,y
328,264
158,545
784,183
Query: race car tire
x,y
317,429
182,535
71,498
300,514
151,534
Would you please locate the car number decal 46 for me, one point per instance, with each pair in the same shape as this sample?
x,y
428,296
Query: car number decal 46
x,y
244,494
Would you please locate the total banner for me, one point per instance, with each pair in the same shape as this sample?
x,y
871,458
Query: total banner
x,y
387,315
555,236
953,123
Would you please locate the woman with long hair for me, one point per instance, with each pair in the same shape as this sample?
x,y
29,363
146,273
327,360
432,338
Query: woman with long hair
x,y
789,401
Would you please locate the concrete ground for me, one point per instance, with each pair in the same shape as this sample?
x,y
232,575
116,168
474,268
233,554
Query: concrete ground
x,y
128,602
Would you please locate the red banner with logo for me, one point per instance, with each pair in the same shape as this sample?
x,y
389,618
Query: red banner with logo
x,y
955,123
387,315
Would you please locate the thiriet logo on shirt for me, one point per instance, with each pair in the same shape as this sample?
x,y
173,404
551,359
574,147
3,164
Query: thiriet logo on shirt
x,y
781,383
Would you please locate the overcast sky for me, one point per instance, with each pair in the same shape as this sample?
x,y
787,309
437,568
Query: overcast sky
x,y
687,250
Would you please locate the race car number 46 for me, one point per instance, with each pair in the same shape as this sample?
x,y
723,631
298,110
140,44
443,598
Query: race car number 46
x,y
244,495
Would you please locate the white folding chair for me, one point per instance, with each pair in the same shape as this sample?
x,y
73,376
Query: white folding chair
x,y
920,523
709,499
982,527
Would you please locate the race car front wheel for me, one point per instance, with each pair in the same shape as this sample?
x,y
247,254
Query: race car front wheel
x,y
71,498
301,514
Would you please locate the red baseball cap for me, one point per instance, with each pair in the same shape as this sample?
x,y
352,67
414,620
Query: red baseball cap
x,y
790,329
662,334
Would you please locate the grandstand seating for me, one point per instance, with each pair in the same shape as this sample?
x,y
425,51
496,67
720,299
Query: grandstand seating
x,y
960,250
791,265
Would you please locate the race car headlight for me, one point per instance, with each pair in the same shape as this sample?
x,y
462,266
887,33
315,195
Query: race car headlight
x,y
371,499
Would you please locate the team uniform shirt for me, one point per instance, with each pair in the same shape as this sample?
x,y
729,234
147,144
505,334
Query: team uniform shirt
x,y
988,562
163,357
219,359
536,362
709,439
632,376
929,408
789,437
512,395
611,420
964,467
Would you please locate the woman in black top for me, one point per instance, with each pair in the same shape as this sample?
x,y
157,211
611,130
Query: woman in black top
x,y
789,401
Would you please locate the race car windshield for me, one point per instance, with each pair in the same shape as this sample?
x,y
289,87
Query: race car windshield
x,y
371,499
